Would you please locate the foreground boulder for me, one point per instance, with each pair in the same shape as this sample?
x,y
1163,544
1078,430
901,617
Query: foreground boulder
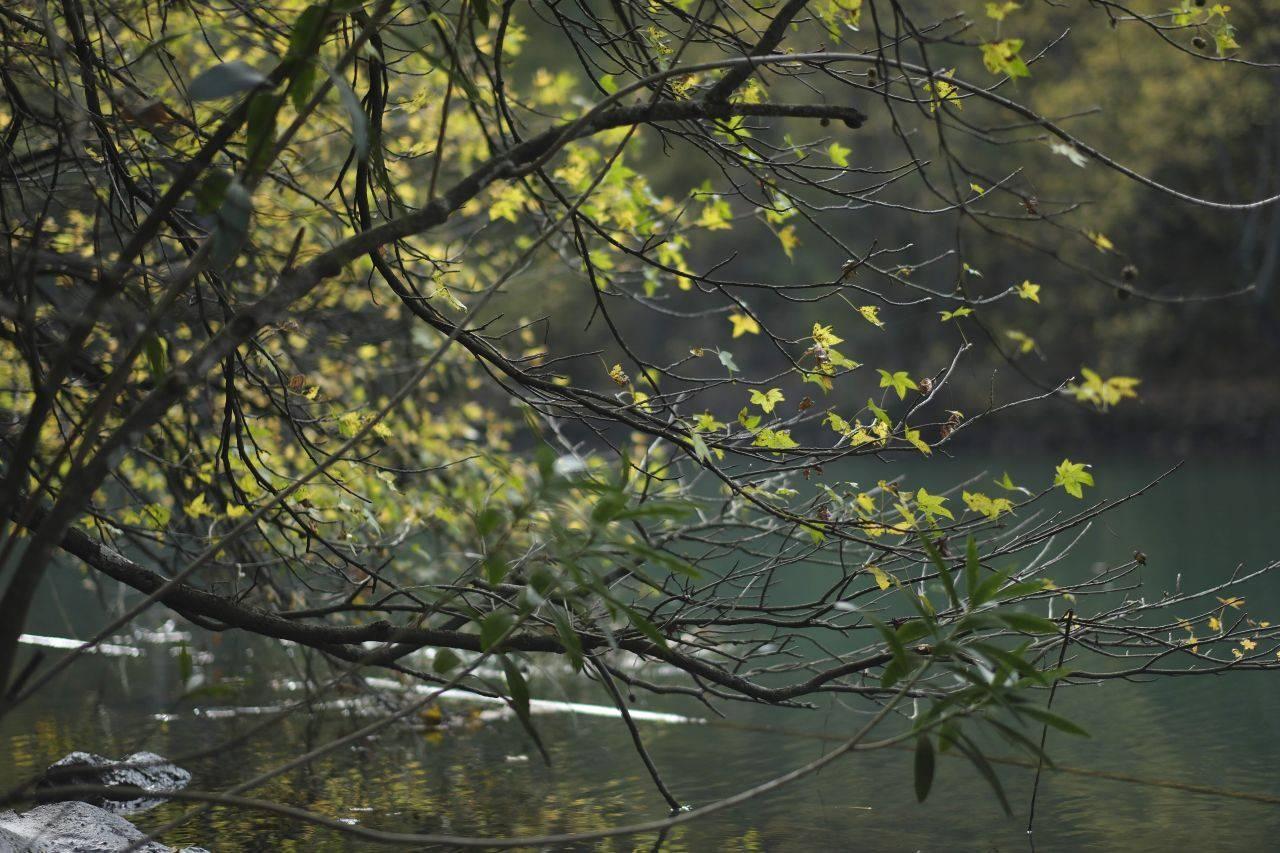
x,y
144,770
73,827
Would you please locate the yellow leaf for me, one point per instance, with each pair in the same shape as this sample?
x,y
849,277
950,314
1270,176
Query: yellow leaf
x,y
913,436
1003,57
839,154
198,507
768,399
882,579
871,314
1072,477
932,505
1025,342
998,11
349,424
787,237
823,336
707,423
775,439
1030,291
744,324
899,381
1100,392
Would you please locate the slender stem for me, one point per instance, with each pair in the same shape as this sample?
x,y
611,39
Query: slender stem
x,y
607,680
1044,731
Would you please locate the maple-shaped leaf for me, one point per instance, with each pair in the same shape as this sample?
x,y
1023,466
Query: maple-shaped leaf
x,y
1029,291
775,439
1072,477
767,400
899,381
744,324
932,505
871,314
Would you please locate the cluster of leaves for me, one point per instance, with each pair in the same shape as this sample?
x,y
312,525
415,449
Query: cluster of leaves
x,y
323,367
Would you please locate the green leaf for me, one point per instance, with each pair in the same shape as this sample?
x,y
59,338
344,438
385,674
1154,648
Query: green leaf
x,y
912,630
944,573
895,671
971,752
924,765
488,520
1052,719
359,121
1028,623
608,507
700,449
987,589
212,191
232,229
644,626
972,567
481,10
492,627
495,569
517,686
304,39
224,80
880,414
519,691
302,84
260,131
157,356
445,660
304,45
1008,661
185,665
568,638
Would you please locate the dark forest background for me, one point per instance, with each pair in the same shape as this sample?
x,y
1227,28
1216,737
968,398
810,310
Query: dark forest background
x,y
1208,365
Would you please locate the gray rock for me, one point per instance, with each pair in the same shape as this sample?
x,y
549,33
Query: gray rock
x,y
73,827
144,770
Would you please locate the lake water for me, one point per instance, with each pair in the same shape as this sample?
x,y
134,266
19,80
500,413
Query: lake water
x,y
483,777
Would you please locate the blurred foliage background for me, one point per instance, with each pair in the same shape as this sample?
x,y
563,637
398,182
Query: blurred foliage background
x,y
1207,364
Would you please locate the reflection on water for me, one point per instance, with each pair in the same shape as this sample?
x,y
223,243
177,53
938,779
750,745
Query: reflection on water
x,y
481,776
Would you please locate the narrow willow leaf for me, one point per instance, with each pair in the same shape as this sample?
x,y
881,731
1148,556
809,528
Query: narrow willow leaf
x,y
924,766
222,81
359,121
